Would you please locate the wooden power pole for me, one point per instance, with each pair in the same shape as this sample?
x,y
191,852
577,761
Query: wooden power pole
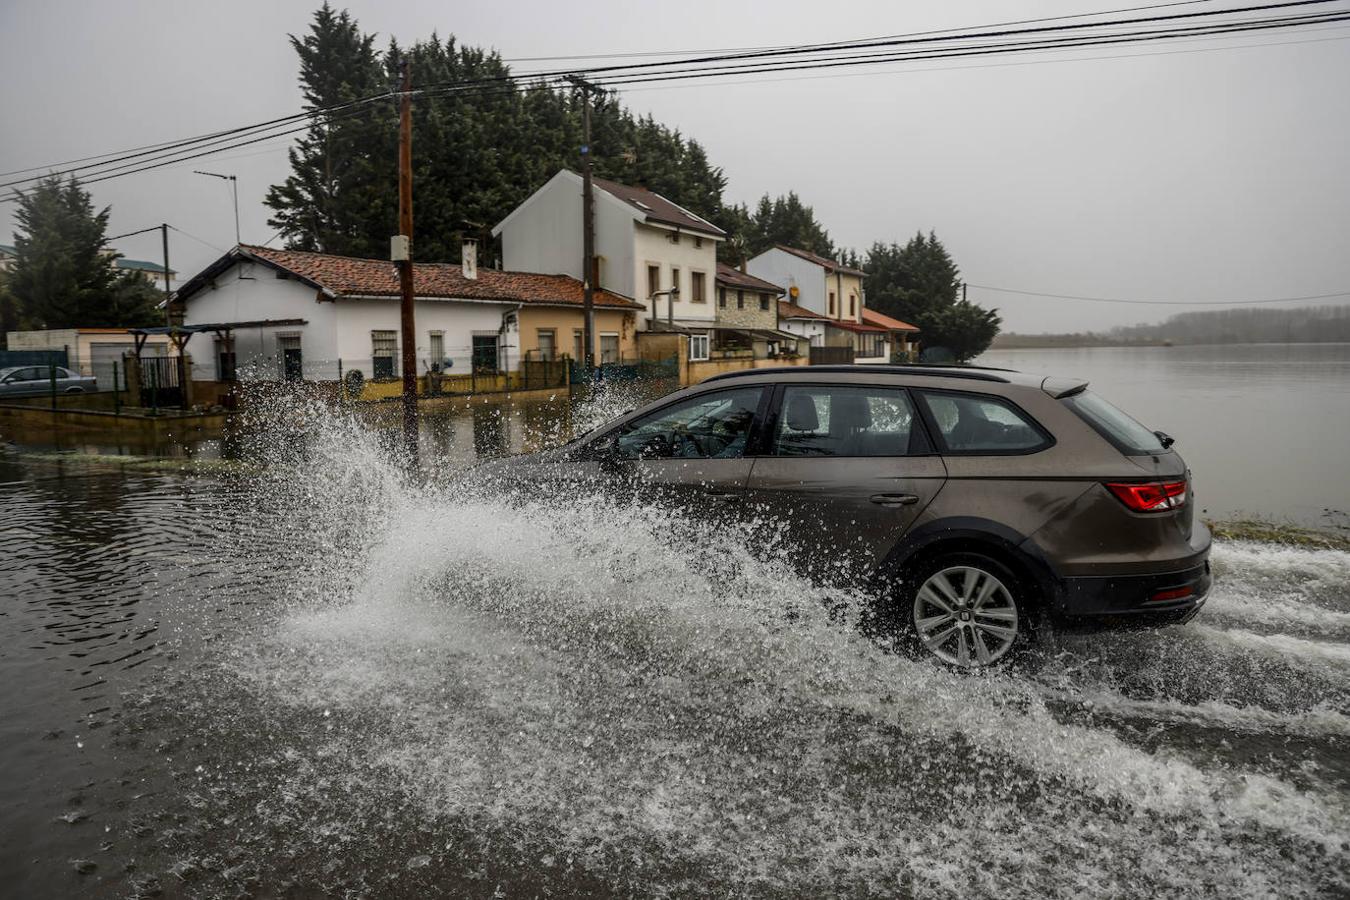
x,y
168,291
587,228
403,255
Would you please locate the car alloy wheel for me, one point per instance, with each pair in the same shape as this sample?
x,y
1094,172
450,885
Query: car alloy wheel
x,y
966,616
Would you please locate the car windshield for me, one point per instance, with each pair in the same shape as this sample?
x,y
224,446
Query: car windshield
x,y
5,373
1117,427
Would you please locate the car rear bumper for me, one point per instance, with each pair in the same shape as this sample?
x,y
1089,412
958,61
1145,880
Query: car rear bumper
x,y
1163,598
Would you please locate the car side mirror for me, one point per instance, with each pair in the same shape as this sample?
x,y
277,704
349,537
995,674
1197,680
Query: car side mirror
x,y
1165,439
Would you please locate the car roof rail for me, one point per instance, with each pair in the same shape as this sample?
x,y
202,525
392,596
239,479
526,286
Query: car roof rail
x,y
974,373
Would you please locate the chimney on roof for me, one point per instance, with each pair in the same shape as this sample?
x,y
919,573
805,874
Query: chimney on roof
x,y
745,265
469,257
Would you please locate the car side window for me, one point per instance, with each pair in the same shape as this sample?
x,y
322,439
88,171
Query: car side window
x,y
709,426
972,423
29,374
845,420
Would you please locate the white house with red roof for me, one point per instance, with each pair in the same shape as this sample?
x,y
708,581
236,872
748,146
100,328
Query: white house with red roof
x,y
292,315
645,245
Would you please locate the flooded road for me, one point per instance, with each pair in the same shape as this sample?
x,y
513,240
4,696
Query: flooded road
x,y
313,679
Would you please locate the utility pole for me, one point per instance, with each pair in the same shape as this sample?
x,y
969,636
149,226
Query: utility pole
x,y
168,292
963,292
587,226
405,267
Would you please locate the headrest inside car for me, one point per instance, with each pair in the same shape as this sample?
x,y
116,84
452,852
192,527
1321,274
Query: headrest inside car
x,y
801,413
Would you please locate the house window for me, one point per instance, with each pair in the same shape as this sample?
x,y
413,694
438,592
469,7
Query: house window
x,y
763,302
698,347
485,354
831,304
383,350
698,242
722,297
609,348
436,351
740,299
674,282
870,345
696,287
576,345
852,305
548,341
653,280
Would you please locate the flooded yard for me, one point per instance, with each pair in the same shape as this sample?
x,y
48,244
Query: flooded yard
x,y
306,676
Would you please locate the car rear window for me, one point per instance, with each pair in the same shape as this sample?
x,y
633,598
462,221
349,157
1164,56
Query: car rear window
x,y
1124,432
982,424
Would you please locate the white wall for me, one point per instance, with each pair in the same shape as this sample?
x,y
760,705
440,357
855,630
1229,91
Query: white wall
x,y
544,234
458,320
652,246
256,296
811,330
786,270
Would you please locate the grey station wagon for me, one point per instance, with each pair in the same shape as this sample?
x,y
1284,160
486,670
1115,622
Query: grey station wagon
x,y
967,500
30,381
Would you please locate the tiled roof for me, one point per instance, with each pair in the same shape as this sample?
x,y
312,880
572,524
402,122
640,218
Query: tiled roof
x,y
829,265
858,327
788,310
658,208
734,277
872,317
346,276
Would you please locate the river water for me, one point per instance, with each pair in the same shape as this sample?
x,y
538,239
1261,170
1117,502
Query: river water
x,y
313,678
1264,427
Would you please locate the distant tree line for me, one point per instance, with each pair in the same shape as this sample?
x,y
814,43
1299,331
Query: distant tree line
x,y
1300,325
1250,325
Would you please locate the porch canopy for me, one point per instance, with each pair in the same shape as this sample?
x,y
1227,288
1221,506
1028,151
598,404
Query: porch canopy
x,y
181,334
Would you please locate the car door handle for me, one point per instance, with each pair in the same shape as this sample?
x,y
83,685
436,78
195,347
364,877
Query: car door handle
x,y
894,499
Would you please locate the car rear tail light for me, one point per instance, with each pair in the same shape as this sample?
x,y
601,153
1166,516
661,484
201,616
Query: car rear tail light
x,y
1152,496
1171,594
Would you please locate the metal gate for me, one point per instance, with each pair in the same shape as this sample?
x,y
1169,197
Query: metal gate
x,y
831,356
160,384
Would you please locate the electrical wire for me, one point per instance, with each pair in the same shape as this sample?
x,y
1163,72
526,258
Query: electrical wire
x,y
891,50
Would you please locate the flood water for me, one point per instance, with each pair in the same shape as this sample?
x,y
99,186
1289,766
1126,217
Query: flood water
x,y
1264,427
313,678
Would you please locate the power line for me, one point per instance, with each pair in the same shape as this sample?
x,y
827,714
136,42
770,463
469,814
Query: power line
x,y
726,50
1049,39
1035,62
986,287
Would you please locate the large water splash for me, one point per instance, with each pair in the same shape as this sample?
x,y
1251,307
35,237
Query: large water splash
x,y
667,705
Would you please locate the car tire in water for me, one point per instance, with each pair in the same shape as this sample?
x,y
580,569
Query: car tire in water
x,y
967,610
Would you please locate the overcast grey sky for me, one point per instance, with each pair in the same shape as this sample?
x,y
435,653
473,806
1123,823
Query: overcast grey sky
x,y
1200,175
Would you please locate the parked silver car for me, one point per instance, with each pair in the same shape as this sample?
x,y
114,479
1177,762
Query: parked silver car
x,y
32,381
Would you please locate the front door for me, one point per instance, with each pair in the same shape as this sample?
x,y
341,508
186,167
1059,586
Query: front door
x,y
849,468
292,363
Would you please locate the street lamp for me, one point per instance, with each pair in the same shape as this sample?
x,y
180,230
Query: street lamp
x,y
234,184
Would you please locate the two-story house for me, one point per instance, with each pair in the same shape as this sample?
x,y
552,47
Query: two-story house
x,y
827,288
645,247
747,317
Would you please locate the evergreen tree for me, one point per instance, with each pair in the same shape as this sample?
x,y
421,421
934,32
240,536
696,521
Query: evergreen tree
x,y
62,276
785,220
920,283
477,153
